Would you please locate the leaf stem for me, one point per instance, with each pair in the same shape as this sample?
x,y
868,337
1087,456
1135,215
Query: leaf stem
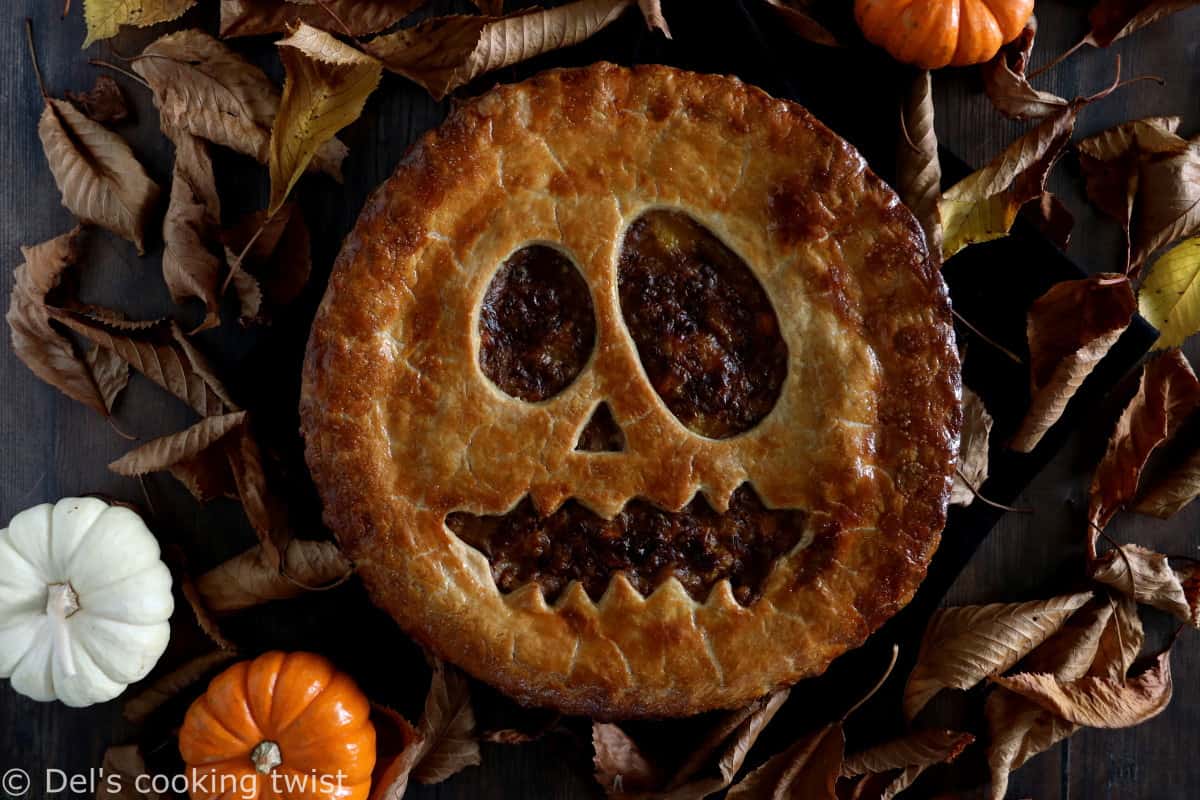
x,y
236,266
345,28
96,62
1056,61
37,70
975,491
1015,358
887,673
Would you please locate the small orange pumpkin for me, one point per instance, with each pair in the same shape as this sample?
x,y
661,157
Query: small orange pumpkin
x,y
937,33
285,725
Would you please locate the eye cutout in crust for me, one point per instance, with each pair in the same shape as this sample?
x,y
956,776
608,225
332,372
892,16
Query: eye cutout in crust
x,y
537,324
705,330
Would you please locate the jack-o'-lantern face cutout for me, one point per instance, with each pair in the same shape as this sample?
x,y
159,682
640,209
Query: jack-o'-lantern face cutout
x,y
707,340
634,393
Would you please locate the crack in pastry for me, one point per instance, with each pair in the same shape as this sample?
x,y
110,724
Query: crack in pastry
x,y
697,545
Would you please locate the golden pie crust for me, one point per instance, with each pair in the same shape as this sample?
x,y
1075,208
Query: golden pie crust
x,y
403,428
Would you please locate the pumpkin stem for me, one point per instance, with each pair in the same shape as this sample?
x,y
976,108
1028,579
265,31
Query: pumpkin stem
x,y
61,603
265,757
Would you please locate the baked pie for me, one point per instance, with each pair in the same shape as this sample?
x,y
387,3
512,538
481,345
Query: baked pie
x,y
634,393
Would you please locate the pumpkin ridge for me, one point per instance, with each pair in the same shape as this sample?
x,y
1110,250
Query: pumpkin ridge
x,y
264,670
297,661
340,684
40,572
213,719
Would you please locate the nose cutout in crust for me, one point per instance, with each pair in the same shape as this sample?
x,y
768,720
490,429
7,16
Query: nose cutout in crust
x,y
705,330
602,434
537,326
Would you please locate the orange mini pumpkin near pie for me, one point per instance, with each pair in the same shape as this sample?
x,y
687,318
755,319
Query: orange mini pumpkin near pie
x,y
285,725
634,393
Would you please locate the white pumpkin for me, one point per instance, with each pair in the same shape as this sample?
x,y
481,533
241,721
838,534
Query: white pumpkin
x,y
84,601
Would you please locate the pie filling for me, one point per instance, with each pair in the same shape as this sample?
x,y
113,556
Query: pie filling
x,y
696,545
705,330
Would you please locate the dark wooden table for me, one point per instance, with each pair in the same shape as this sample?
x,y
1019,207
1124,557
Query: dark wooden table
x,y
54,447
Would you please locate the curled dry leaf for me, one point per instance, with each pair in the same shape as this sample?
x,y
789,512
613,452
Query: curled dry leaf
x,y
266,511
918,169
160,351
972,450
1070,329
1166,395
1099,702
1115,19
48,354
161,691
799,17
1052,218
1169,298
652,11
1111,163
167,451
964,645
110,373
398,747
808,769
984,205
1121,641
1007,86
621,769
249,579
447,727
203,88
105,103
1168,202
361,17
891,767
1149,578
104,18
122,766
443,53
190,267
1178,488
279,260
101,181
327,86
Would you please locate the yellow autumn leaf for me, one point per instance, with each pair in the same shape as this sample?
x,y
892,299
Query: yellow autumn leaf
x,y
1170,296
966,222
327,85
104,18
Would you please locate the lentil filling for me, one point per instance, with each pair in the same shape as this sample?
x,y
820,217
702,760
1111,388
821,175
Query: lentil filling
x,y
696,545
537,326
705,330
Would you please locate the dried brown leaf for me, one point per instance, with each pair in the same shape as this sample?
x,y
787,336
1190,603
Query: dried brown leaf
x,y
327,87
121,768
139,708
278,262
443,53
1115,19
1052,218
399,747
964,645
190,267
1070,329
100,180
1007,86
918,169
1168,202
1148,578
893,766
1167,394
1111,160
104,18
655,21
984,205
266,511
104,103
972,450
1177,489
250,579
110,373
159,351
621,768
1018,730
799,17
1070,653
47,353
361,17
1120,643
203,88
165,452
1099,702
808,769
447,728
